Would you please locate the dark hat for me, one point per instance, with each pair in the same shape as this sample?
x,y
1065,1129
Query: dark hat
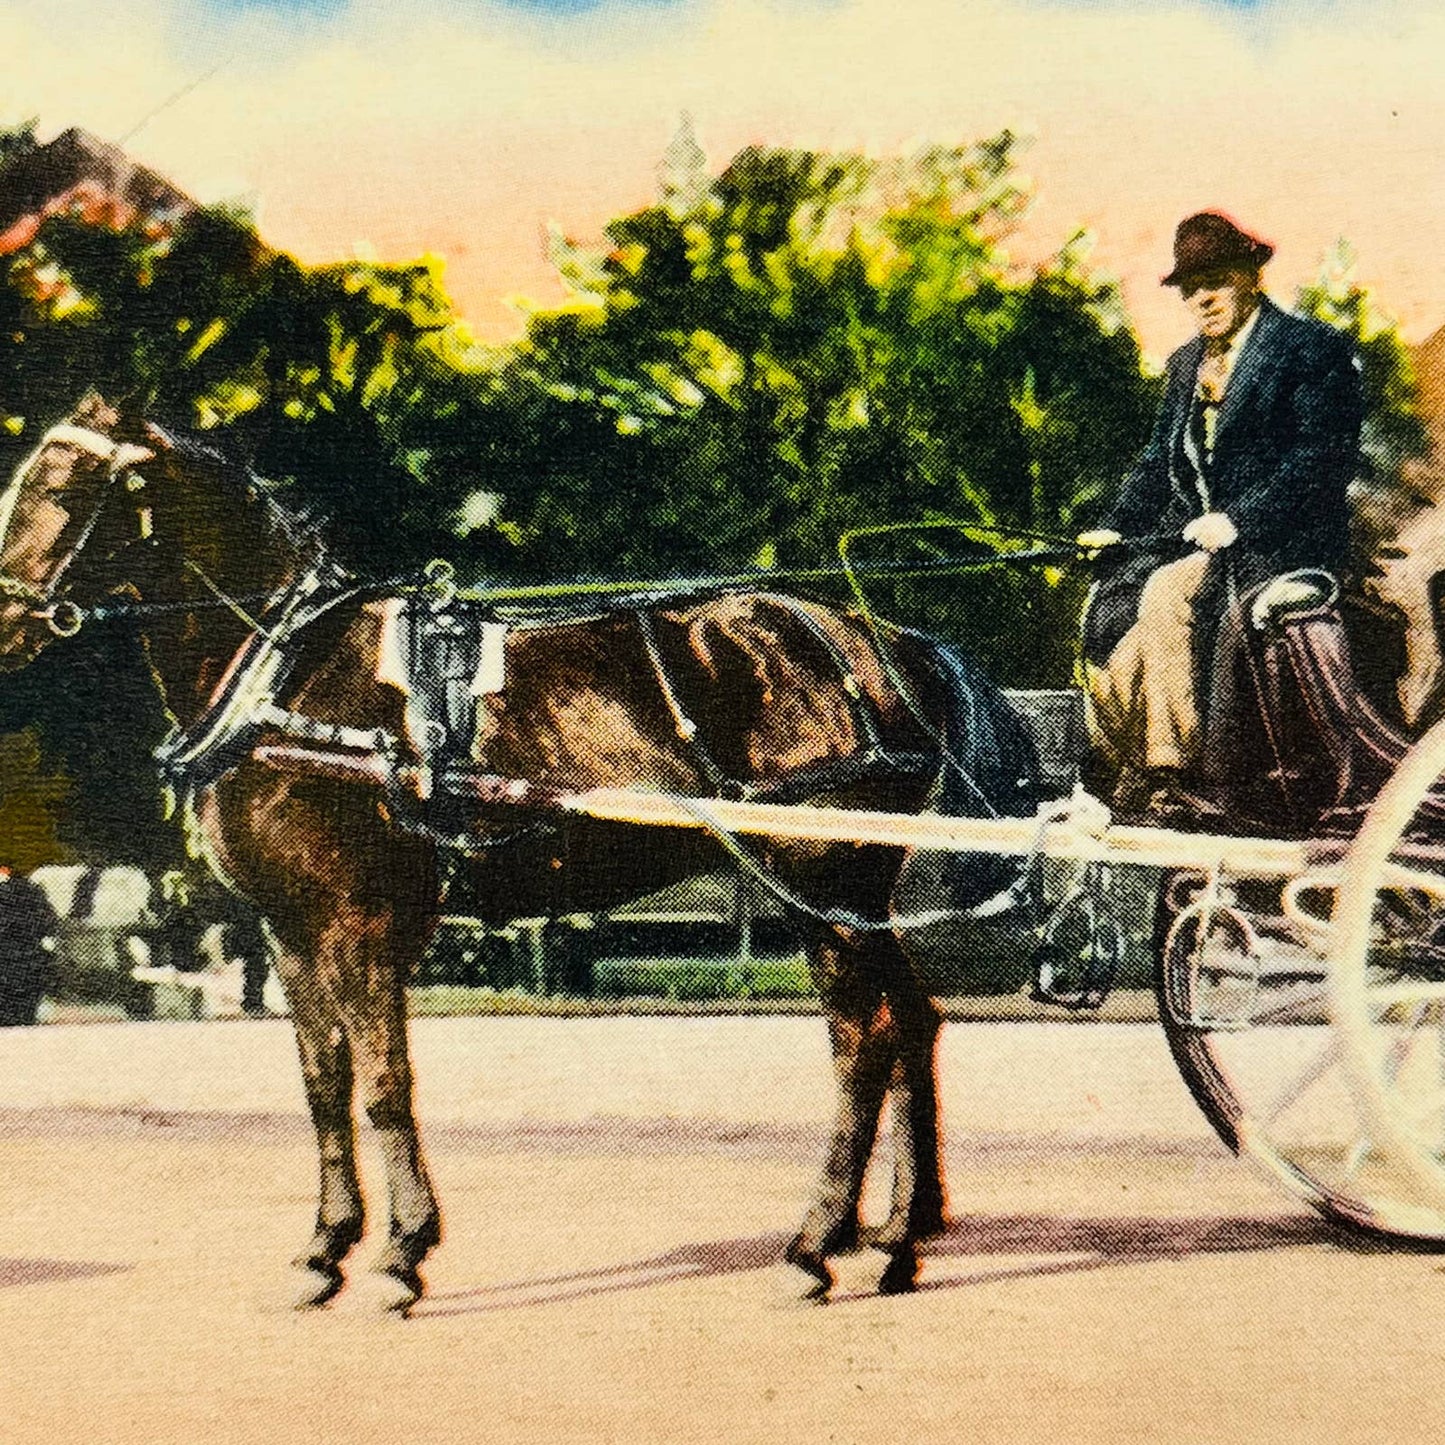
x,y
1210,242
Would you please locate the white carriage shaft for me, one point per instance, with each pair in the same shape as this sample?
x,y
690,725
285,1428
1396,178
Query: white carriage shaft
x,y
1257,1048
1069,836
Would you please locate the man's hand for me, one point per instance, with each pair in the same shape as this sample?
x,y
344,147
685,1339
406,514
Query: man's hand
x,y
1213,532
1097,539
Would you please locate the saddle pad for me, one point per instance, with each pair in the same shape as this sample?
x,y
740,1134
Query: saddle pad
x,y
442,661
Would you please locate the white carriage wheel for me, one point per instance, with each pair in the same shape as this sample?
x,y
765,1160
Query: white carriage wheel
x,y
1387,998
1242,1001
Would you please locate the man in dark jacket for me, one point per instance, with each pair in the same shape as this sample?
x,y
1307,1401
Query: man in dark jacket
x,y
1256,441
28,925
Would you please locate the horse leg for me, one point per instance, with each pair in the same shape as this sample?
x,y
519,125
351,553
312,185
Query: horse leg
x,y
384,1076
860,1030
326,1072
918,1205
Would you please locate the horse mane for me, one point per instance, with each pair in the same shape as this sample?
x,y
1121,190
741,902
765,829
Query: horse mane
x,y
298,526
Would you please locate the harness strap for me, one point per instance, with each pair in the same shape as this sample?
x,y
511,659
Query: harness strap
x,y
865,716
299,725
197,755
683,724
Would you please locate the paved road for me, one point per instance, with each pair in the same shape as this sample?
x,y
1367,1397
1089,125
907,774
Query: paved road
x,y
616,1193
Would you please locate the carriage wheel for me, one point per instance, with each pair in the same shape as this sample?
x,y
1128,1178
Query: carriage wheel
x,y
1387,985
1241,978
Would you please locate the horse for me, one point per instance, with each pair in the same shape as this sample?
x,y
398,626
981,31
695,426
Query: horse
x,y
1401,575
737,690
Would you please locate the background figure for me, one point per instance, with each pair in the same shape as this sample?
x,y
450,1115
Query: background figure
x,y
27,936
244,937
179,927
189,907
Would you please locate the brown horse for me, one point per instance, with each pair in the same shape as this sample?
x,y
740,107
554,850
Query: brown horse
x,y
776,692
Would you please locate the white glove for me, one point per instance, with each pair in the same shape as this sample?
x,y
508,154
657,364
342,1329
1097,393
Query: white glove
x,y
1213,531
1097,539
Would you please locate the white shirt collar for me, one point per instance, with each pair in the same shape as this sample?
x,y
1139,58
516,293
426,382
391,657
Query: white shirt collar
x,y
1236,342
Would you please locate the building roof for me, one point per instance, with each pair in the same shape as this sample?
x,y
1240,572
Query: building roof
x,y
78,170
1429,361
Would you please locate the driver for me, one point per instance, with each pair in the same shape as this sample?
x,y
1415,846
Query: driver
x,y
1256,441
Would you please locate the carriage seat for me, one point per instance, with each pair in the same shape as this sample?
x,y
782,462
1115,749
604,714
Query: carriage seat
x,y
1301,717
1276,599
1304,724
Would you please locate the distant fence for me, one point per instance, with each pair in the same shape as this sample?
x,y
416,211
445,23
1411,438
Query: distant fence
x,y
718,936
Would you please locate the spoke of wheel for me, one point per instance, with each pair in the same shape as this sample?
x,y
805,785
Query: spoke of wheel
x,y
1440,1073
1279,1013
1355,1159
1401,1048
1420,1110
1298,1087
1385,963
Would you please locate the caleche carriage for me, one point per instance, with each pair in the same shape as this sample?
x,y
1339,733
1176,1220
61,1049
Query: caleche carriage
x,y
331,740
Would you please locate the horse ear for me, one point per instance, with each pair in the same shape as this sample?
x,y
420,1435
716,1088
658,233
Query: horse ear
x,y
94,411
127,454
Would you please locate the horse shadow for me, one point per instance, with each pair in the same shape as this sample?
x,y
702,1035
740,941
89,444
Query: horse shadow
x,y
1037,1246
15,1272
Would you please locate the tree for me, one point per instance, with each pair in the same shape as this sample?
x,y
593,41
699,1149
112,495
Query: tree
x,y
17,140
1393,432
808,344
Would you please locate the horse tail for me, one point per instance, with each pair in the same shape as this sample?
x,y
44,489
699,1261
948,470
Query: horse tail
x,y
989,765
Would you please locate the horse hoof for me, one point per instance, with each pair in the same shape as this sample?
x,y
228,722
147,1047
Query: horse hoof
x,y
395,1291
900,1274
319,1285
814,1266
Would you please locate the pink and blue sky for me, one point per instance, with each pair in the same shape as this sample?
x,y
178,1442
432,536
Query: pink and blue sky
x,y
461,127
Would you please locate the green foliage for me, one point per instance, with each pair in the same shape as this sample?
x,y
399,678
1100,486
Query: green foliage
x,y
808,344
1394,431
17,140
31,799
698,979
325,378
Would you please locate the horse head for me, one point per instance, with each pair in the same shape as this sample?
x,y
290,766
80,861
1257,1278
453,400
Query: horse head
x,y
109,506
72,508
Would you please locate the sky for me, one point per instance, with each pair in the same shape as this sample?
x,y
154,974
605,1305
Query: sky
x,y
462,127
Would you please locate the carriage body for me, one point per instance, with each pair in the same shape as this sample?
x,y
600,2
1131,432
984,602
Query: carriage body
x,y
1301,982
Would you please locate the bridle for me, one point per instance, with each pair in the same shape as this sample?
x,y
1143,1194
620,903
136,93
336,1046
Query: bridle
x,y
63,616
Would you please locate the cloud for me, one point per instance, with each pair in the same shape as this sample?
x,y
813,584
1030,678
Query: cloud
x,y
462,126
279,7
